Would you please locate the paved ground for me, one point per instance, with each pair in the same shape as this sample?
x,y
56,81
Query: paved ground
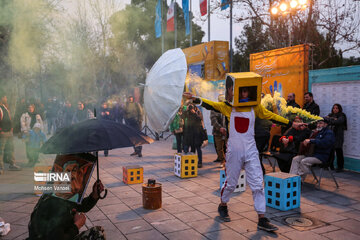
x,y
189,205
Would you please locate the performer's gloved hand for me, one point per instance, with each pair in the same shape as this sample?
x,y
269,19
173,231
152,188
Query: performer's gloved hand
x,y
98,188
79,219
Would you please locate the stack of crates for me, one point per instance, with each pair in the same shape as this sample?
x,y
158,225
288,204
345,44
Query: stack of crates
x,y
282,190
241,186
185,166
133,174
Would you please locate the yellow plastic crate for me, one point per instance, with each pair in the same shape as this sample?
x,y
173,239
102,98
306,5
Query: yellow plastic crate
x,y
185,166
133,174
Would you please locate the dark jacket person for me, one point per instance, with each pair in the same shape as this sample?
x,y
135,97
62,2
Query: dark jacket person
x,y
58,219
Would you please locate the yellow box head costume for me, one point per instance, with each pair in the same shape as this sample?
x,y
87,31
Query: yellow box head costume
x,y
245,88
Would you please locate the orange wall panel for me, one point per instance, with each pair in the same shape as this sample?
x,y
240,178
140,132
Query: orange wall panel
x,y
285,67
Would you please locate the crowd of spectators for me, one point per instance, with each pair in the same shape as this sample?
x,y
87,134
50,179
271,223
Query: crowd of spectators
x,y
34,122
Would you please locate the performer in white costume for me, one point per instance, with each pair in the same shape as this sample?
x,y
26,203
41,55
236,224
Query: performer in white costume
x,y
240,110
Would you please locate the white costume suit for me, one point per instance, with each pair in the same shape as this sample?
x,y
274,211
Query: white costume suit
x,y
242,153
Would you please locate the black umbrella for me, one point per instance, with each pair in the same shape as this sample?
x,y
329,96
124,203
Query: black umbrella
x,y
94,135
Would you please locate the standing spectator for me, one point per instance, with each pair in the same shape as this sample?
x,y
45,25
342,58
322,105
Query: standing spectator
x,y
324,142
105,113
219,132
118,111
81,114
51,115
310,104
193,131
40,109
338,124
133,118
262,136
65,116
20,109
34,140
291,100
6,135
177,128
27,122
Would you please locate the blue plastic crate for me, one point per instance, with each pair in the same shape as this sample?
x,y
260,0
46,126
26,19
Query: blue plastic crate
x,y
282,190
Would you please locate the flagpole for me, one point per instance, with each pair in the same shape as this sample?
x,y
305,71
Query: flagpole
x,y
209,20
175,24
162,27
231,49
190,19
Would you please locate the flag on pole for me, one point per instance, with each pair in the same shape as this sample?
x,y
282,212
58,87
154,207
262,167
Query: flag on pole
x,y
225,4
203,7
170,18
185,5
158,19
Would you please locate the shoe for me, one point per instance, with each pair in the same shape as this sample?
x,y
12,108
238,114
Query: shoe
x,y
139,155
199,165
264,224
133,154
222,165
14,167
338,170
217,160
223,212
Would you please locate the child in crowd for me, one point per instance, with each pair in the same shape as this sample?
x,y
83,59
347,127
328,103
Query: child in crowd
x,y
35,139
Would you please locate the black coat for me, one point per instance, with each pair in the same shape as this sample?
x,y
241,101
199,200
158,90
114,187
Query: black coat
x,y
193,128
52,218
313,108
298,136
292,104
338,124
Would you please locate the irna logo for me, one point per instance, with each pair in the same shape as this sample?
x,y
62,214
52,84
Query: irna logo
x,y
52,177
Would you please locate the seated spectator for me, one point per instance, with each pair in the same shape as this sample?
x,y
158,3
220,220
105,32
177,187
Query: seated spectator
x,y
289,145
338,124
323,144
56,218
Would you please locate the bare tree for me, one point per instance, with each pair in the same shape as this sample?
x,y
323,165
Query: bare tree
x,y
337,21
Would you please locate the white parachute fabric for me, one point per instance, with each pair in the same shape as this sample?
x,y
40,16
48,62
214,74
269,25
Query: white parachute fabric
x,y
163,89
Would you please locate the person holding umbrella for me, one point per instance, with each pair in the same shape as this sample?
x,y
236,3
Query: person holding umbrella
x,y
57,218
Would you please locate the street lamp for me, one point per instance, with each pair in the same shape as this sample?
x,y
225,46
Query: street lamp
x,y
283,7
293,4
274,10
288,7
